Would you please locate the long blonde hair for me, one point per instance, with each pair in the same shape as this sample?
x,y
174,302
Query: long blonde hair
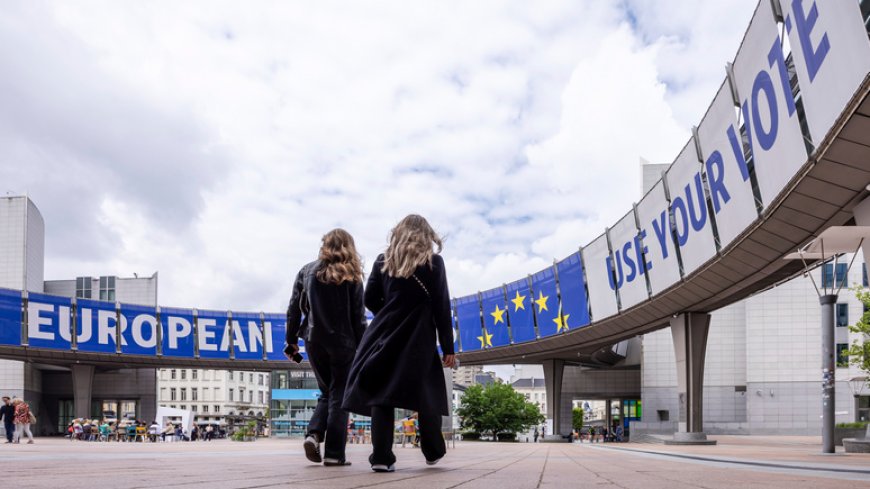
x,y
411,245
339,260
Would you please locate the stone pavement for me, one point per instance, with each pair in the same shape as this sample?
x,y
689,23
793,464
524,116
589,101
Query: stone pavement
x,y
790,462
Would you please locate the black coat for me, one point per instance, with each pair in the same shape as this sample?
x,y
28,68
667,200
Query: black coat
x,y
7,413
397,363
328,314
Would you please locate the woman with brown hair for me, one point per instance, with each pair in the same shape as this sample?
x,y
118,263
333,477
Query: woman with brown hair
x,y
328,292
397,364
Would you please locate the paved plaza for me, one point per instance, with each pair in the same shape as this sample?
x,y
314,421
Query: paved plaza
x,y
745,462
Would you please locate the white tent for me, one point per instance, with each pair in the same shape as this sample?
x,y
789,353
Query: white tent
x,y
186,417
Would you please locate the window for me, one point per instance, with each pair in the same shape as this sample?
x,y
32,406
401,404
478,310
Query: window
x,y
183,394
217,408
194,374
241,394
250,396
84,286
864,269
205,408
828,275
205,393
842,354
193,408
162,393
172,406
260,380
231,394
183,406
262,400
172,374
172,394
107,289
183,374
842,315
194,394
251,378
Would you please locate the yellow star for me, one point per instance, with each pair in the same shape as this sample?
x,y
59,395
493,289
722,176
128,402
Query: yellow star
x,y
561,322
541,301
518,302
485,340
498,314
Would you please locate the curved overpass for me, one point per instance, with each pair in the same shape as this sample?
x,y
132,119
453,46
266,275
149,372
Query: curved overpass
x,y
782,153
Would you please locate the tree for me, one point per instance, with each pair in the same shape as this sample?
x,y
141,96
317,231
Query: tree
x,y
497,408
577,418
859,350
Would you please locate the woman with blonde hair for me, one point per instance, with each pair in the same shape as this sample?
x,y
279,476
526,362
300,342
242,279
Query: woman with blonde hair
x,y
326,308
397,364
23,419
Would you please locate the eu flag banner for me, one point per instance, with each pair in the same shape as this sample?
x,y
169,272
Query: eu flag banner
x,y
10,317
177,326
575,305
247,336
96,326
468,316
546,302
495,317
48,321
521,311
138,329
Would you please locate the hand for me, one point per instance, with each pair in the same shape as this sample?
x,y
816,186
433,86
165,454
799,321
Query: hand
x,y
290,351
449,361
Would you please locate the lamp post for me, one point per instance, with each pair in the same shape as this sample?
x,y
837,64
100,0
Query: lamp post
x,y
827,246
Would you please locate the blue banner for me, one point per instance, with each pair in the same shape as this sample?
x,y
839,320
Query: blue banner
x,y
275,331
138,329
96,326
177,326
10,317
546,303
212,331
575,305
247,336
48,322
495,317
521,311
468,318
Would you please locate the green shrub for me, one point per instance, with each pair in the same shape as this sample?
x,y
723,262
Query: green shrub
x,y
854,426
507,437
471,435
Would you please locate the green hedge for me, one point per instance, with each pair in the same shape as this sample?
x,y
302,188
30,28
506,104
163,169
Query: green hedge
x,y
470,435
507,437
853,426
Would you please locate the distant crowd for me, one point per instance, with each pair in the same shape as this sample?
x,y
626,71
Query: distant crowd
x,y
138,431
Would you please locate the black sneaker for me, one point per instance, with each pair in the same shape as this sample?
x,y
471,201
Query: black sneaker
x,y
382,467
334,462
312,449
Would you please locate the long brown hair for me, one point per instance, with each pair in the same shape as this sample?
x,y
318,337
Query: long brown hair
x,y
412,243
339,260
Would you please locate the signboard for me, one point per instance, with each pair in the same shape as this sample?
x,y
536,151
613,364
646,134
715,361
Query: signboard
x,y
275,335
627,268
138,329
831,55
655,235
693,227
10,317
48,322
213,340
96,326
520,311
247,336
767,105
177,332
546,303
495,316
725,168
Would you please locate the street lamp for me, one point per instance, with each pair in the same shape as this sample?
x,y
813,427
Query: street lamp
x,y
830,244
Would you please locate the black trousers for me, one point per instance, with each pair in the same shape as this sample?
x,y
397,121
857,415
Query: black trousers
x,y
383,422
329,422
10,430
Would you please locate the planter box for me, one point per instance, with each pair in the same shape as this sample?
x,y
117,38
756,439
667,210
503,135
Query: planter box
x,y
840,433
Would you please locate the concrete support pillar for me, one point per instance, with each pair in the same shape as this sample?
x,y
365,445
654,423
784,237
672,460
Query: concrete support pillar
x,y
689,332
83,380
828,372
553,371
608,416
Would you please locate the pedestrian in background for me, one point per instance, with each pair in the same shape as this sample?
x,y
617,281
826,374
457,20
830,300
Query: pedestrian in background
x,y
328,292
397,364
7,413
23,419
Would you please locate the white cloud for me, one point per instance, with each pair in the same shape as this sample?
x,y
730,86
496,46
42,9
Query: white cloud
x,y
218,144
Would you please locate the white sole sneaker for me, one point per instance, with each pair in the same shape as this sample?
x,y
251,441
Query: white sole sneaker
x,y
433,462
384,468
312,450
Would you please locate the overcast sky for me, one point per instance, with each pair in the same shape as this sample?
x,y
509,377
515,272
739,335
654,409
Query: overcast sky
x,y
216,142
